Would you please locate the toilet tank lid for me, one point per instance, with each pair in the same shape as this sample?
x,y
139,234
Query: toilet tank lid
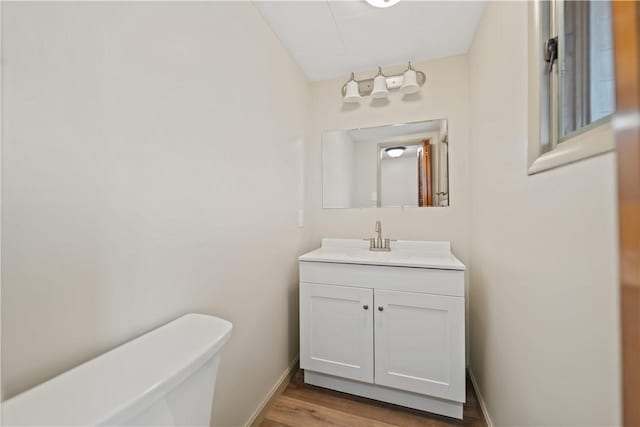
x,y
122,381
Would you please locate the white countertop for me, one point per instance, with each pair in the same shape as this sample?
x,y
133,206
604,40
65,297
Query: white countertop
x,y
404,253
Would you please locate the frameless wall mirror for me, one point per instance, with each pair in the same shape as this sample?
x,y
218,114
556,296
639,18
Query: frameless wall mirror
x,y
386,166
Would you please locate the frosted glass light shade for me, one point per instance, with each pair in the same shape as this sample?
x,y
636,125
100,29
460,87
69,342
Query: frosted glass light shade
x,y
380,89
382,3
410,82
395,151
352,93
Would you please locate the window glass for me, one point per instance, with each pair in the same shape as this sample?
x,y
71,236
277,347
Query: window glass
x,y
586,73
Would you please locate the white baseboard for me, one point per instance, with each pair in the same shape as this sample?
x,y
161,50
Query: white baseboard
x,y
483,406
275,391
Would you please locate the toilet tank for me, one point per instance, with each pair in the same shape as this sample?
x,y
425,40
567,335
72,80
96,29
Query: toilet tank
x,y
163,378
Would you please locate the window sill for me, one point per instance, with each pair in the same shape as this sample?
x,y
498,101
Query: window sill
x,y
598,140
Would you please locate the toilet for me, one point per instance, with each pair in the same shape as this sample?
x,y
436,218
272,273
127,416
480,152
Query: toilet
x,y
163,378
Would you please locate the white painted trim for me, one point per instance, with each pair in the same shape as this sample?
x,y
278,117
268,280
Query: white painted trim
x,y
592,142
275,391
483,405
534,81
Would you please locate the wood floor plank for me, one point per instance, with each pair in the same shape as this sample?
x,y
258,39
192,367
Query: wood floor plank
x,y
270,423
304,405
294,412
360,406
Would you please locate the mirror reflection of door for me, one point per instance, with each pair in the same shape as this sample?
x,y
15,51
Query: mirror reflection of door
x,y
425,196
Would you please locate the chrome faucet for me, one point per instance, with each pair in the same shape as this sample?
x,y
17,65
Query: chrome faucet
x,y
379,231
378,243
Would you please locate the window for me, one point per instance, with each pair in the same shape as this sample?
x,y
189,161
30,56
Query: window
x,y
585,64
571,63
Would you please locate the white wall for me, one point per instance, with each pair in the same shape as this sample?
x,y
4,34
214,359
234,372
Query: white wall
x,y
338,169
444,96
128,198
543,286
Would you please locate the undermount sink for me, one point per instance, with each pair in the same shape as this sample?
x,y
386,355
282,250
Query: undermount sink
x,y
404,253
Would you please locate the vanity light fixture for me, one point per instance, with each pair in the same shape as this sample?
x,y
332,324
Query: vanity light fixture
x,y
410,81
351,91
382,3
395,151
380,89
381,85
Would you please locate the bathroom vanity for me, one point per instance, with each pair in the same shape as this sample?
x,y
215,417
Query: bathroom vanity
x,y
385,325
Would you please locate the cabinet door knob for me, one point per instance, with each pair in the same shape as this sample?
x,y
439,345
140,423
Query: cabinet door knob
x,y
366,307
380,308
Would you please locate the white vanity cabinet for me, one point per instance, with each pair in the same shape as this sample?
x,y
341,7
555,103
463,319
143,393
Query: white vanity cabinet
x,y
388,326
419,343
338,330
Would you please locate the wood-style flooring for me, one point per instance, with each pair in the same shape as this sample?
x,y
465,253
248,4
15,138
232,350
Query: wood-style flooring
x,y
303,405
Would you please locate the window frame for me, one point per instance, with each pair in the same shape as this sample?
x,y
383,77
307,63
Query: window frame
x,y
545,148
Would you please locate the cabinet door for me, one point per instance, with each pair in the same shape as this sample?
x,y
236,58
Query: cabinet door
x,y
419,343
336,330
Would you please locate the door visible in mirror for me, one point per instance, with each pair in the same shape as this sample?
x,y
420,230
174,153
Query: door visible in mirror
x,y
400,165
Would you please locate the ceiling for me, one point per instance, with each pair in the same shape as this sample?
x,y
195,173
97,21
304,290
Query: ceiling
x,y
330,39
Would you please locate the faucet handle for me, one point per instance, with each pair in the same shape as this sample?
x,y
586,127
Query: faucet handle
x,y
387,243
372,242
